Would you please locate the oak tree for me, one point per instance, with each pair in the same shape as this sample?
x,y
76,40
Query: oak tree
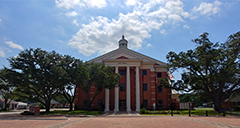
x,y
212,68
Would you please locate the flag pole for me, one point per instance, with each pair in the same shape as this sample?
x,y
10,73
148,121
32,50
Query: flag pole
x,y
142,92
156,88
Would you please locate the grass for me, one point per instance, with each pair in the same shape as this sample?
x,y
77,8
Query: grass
x,y
186,112
74,112
1,110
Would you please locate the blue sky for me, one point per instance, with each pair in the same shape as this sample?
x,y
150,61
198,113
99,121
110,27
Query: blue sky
x,y
86,29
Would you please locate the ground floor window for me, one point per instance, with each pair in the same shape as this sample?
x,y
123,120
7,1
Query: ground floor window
x,y
160,103
145,87
145,104
159,88
122,87
85,103
99,103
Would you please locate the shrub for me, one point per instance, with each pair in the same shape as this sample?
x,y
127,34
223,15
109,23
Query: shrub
x,y
27,113
142,111
237,108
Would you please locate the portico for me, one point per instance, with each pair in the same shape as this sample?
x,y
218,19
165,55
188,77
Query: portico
x,y
135,64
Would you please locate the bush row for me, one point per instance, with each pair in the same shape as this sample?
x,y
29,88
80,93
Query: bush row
x,y
144,111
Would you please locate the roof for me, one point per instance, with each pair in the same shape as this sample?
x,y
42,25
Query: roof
x,y
54,102
127,53
21,103
12,101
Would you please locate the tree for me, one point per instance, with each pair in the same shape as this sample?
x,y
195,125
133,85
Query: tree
x,y
197,98
6,86
98,76
212,68
40,72
75,70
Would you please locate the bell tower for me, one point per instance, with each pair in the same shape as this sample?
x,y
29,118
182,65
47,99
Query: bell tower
x,y
123,42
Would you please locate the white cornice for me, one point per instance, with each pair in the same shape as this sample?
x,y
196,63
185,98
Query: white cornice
x,y
132,55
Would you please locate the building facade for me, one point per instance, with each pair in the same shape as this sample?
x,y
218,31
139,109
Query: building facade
x,y
137,83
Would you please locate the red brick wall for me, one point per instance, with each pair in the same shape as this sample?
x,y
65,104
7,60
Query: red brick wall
x,y
228,105
150,94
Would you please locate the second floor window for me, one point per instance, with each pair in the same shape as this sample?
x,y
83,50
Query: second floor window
x,y
159,74
122,72
144,72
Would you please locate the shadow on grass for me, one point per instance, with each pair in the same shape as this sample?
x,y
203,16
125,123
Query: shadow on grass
x,y
74,112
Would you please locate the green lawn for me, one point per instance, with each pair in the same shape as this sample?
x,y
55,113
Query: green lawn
x,y
74,112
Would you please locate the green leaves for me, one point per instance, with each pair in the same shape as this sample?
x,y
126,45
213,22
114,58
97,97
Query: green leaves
x,y
211,67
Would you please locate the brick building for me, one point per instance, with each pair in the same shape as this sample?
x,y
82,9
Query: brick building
x,y
137,83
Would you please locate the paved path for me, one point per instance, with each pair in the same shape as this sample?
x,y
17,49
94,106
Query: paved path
x,y
123,120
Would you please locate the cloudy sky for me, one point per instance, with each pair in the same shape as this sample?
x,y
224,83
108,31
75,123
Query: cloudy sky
x,y
86,29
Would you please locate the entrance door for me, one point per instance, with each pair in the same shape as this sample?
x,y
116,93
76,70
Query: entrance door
x,y
122,105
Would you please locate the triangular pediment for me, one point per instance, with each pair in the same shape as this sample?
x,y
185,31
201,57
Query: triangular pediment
x,y
125,53
122,57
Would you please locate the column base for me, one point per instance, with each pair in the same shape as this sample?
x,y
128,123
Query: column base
x,y
128,110
116,110
106,110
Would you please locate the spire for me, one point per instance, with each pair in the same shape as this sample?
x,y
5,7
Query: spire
x,y
123,42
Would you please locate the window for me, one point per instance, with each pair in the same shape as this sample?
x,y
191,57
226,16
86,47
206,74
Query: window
x,y
85,103
160,103
145,104
122,87
144,87
144,72
159,88
122,72
159,74
100,104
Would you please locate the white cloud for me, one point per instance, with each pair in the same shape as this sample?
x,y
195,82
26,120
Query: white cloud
x,y
75,22
12,45
208,8
130,2
67,3
149,45
71,14
101,34
0,20
2,54
87,3
95,3
162,31
175,17
185,26
3,50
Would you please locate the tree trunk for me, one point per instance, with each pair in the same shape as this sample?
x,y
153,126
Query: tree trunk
x,y
217,106
5,102
71,106
48,103
89,103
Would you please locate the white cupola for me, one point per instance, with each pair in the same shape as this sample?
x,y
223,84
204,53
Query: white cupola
x,y
123,42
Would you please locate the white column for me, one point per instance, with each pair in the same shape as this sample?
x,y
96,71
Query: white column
x,y
116,95
137,90
128,90
106,100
